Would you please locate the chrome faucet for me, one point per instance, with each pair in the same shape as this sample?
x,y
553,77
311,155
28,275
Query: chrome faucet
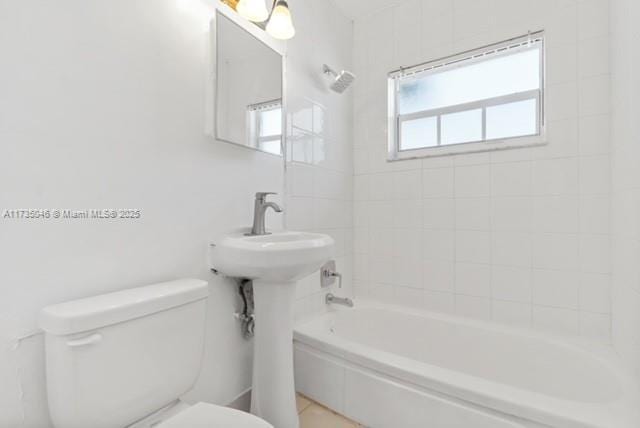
x,y
260,208
344,301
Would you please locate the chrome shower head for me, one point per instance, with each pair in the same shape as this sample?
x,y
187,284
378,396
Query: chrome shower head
x,y
341,81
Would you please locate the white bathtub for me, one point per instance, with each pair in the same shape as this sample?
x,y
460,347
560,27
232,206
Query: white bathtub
x,y
392,367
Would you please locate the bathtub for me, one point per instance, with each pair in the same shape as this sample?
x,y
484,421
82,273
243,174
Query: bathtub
x,y
393,367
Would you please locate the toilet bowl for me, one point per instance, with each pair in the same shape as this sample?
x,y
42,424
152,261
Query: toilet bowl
x,y
124,359
200,415
205,415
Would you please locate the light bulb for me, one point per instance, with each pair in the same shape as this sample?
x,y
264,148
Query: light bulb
x,y
280,24
253,10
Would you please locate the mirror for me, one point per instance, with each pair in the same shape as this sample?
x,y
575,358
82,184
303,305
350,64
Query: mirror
x,y
248,85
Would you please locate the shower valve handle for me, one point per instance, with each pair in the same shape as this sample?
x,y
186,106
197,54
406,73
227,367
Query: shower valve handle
x,y
331,274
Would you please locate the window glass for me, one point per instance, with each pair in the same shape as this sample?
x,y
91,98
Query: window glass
x,y
463,127
264,126
512,120
419,133
479,80
270,122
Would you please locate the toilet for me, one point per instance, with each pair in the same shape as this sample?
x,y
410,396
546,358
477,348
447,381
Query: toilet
x,y
124,359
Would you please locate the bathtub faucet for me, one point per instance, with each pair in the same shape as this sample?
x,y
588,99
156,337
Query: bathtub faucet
x,y
344,301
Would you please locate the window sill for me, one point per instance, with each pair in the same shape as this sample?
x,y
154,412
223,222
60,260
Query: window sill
x,y
476,147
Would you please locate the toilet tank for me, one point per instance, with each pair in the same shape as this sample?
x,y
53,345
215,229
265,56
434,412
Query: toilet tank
x,y
116,358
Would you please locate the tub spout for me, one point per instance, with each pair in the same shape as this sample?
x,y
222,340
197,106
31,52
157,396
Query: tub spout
x,y
344,301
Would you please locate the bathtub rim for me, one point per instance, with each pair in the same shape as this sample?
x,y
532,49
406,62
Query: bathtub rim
x,y
511,400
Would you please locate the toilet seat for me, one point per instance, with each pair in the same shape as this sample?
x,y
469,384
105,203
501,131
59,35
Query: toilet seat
x,y
205,415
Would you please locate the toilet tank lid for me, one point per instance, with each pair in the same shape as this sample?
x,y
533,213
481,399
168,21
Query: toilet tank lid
x,y
99,311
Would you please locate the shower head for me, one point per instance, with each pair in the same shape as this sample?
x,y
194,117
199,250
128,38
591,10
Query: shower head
x,y
341,81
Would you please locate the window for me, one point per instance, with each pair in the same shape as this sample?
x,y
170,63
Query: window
x,y
490,98
264,121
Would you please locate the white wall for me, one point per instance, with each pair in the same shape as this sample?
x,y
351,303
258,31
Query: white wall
x,y
519,236
102,106
626,179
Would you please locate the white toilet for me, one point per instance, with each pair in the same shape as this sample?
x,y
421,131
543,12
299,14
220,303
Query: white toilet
x,y
123,360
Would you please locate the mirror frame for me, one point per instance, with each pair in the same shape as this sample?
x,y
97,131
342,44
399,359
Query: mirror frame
x,y
279,47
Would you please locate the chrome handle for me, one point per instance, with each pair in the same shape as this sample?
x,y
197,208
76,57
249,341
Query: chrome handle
x,y
330,274
84,341
263,195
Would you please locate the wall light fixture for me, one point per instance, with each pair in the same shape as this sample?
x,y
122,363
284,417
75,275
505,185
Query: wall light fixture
x,y
279,23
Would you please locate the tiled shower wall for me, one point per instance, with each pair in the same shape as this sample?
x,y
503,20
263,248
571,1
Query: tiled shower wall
x,y
519,236
626,180
319,171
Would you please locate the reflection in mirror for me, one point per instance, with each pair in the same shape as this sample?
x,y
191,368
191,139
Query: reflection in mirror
x,y
248,89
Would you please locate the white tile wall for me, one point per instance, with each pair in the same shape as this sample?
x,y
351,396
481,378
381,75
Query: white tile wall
x,y
625,212
320,164
520,236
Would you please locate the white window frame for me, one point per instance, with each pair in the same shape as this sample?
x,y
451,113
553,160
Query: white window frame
x,y
507,47
253,124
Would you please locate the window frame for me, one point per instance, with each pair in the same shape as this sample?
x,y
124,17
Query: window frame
x,y
507,47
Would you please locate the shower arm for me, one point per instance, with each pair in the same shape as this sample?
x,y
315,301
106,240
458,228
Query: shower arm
x,y
328,70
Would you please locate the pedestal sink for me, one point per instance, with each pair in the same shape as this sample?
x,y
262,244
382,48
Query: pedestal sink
x,y
274,263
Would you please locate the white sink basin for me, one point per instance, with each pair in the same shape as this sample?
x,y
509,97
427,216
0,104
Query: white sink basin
x,y
281,256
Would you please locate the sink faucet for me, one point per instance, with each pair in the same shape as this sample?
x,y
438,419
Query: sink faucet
x,y
259,210
344,301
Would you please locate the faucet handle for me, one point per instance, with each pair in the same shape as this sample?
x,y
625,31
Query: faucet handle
x,y
263,195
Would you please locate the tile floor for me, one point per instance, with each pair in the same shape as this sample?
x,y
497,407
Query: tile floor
x,y
314,415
